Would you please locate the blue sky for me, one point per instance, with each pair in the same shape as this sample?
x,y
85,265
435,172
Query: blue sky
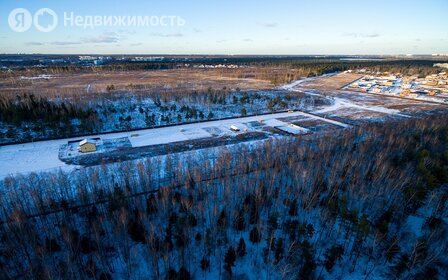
x,y
240,27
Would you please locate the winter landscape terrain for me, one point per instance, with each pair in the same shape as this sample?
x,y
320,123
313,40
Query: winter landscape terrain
x,y
224,140
298,177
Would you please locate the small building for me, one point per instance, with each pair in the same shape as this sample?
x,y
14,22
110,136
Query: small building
x,y
87,146
405,92
388,83
234,128
433,92
431,82
376,90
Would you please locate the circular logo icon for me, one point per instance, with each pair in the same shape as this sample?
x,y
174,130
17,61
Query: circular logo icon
x,y
20,20
45,13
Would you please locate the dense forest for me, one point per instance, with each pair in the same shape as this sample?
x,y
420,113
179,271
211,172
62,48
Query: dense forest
x,y
369,202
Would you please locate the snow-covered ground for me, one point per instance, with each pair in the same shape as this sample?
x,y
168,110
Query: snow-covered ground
x,y
293,85
43,76
293,129
340,103
43,156
31,157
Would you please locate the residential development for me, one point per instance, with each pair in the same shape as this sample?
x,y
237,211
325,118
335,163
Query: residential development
x,y
433,87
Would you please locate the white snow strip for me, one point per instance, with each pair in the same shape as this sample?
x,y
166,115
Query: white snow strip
x,y
344,125
43,76
293,129
340,103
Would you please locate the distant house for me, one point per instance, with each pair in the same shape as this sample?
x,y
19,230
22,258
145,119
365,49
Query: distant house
x,y
405,92
431,82
376,90
87,146
234,128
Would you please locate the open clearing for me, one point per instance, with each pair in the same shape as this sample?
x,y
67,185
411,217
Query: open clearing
x,y
148,81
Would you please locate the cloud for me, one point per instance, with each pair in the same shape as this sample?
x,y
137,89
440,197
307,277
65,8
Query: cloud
x,y
362,35
248,40
197,30
34,44
167,35
270,25
106,37
221,41
64,43
136,44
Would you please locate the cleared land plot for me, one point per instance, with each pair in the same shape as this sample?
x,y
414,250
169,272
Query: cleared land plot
x,y
356,114
42,156
389,104
70,151
331,83
315,125
163,149
293,129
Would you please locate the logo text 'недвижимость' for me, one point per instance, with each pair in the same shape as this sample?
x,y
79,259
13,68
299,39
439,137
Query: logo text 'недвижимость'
x,y
21,20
